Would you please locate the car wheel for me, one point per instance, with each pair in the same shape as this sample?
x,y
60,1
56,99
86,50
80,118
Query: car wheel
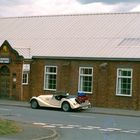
x,y
34,104
66,107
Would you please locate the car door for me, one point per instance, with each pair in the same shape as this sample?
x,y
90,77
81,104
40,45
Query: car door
x,y
54,102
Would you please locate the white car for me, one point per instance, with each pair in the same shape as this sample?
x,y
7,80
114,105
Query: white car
x,y
65,102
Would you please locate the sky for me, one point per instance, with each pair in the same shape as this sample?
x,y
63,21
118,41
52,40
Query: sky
x,y
14,8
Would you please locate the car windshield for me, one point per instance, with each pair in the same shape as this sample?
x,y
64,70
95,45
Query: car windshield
x,y
59,97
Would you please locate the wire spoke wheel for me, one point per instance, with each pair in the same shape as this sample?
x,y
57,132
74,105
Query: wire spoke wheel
x,y
34,104
66,106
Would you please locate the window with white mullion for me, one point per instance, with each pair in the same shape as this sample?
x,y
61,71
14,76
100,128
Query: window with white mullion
x,y
124,82
25,76
50,77
85,79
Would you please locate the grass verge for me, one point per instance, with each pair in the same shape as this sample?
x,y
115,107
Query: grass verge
x,y
8,127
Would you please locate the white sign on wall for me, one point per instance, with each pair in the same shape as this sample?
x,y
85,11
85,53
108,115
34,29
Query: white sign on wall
x,y
26,67
5,60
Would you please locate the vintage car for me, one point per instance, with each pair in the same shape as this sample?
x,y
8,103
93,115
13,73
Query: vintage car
x,y
63,101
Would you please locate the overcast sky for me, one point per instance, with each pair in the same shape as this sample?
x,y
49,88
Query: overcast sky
x,y
12,8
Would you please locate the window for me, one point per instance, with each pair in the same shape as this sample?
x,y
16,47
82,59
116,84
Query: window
x,y
124,82
25,75
85,79
50,78
25,78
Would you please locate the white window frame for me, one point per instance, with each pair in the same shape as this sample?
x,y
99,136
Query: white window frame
x,y
46,80
80,83
118,84
25,80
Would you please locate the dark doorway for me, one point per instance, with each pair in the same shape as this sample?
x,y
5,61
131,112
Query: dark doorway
x,y
4,82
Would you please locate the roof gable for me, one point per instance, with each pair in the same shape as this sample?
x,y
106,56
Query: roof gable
x,y
7,51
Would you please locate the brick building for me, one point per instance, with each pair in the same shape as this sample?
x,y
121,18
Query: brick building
x,y
98,54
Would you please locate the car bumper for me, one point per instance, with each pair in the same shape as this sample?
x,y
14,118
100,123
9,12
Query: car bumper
x,y
85,106
82,106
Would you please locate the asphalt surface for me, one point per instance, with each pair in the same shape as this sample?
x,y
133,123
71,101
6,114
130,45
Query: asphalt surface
x,y
31,132
95,110
28,131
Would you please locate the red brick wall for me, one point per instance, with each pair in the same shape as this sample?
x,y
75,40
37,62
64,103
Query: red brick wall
x,y
104,89
119,101
15,68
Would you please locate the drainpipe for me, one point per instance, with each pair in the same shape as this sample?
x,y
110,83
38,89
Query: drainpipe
x,y
21,95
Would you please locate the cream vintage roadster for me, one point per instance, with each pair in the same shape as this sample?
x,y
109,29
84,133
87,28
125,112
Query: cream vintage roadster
x,y
63,101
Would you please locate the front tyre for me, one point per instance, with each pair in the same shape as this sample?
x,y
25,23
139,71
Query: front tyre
x,y
66,107
34,104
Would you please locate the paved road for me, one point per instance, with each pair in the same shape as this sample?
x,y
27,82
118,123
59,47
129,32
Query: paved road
x,y
95,110
102,124
29,130
83,126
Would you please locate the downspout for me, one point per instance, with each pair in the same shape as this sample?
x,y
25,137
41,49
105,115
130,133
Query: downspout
x,y
21,95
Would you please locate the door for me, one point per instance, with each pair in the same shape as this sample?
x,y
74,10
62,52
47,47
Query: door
x,y
4,82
